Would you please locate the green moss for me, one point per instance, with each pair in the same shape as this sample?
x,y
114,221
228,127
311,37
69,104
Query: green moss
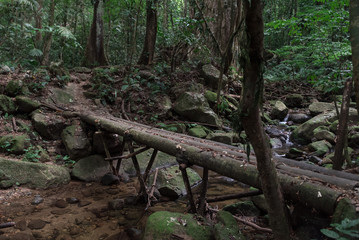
x,y
161,225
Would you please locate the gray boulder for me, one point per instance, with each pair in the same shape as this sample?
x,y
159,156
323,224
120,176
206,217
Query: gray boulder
x,y
279,111
195,107
33,175
7,105
91,168
320,107
298,117
170,183
5,69
162,225
49,126
210,75
227,227
15,87
76,142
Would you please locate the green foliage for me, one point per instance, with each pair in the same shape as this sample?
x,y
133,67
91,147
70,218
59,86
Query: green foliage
x,y
6,145
344,230
318,49
66,160
32,154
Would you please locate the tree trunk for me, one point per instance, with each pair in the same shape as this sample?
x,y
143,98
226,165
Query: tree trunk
x,y
38,24
48,37
252,62
95,50
342,134
148,51
354,39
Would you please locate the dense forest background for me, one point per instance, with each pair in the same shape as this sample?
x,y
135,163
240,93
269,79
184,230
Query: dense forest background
x,y
304,40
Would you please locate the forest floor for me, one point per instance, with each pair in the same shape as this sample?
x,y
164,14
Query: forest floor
x,y
80,210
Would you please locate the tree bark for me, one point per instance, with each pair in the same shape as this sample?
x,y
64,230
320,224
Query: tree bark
x,y
48,37
95,50
354,39
342,133
148,51
252,62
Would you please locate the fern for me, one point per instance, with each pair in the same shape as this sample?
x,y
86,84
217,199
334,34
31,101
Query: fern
x,y
65,32
35,52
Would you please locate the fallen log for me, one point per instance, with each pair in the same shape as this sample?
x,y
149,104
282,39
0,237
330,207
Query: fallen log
x,y
301,189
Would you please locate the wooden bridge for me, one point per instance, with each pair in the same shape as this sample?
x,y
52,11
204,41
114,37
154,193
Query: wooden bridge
x,y
307,184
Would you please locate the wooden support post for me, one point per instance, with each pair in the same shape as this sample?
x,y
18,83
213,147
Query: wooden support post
x,y
122,149
187,184
143,190
149,165
108,155
202,198
128,155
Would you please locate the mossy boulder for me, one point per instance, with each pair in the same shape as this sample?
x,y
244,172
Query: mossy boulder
x,y
198,131
195,107
62,96
15,144
76,142
33,175
324,134
170,182
26,104
319,107
226,227
334,126
320,148
211,97
353,140
91,168
279,110
162,225
298,117
15,87
49,126
113,142
7,105
345,209
175,127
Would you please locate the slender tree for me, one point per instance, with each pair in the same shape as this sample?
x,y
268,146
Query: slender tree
x,y
48,36
148,52
95,50
249,116
354,39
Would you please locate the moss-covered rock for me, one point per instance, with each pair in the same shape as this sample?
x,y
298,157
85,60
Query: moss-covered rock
x,y
162,225
211,97
48,126
76,142
15,144
26,104
7,105
320,107
14,87
196,108
170,182
226,227
333,127
320,148
345,209
62,96
321,133
33,175
198,131
175,127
